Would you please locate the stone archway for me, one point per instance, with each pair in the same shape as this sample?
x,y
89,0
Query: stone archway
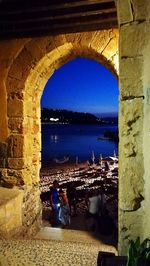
x,y
27,73
19,68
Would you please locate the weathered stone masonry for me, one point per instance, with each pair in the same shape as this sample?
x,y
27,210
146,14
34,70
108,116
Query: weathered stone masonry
x,y
26,65
133,156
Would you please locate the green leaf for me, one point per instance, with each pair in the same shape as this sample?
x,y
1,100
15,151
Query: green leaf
x,y
138,252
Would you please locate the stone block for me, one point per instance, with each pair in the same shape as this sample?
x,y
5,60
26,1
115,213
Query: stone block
x,y
131,183
130,227
140,9
10,178
132,39
16,146
16,163
15,108
10,209
72,38
131,117
131,77
14,85
31,206
47,44
33,53
125,13
131,165
16,125
100,40
111,48
22,65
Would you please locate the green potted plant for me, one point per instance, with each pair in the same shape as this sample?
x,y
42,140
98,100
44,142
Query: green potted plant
x,y
139,253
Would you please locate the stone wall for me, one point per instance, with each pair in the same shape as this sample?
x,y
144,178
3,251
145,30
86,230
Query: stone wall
x,y
26,65
25,68
10,211
134,171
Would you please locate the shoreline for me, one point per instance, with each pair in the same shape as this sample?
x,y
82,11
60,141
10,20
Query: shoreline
x,y
85,178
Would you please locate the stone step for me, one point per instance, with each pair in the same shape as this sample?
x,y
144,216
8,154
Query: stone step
x,y
68,235
46,253
53,246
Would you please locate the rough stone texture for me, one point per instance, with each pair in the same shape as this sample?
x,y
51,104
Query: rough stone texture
x,y
26,68
111,48
15,125
131,226
140,10
31,209
16,146
10,178
20,212
10,210
125,14
12,110
132,40
16,163
131,77
130,154
134,157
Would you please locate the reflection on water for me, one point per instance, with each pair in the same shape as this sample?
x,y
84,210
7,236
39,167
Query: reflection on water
x,y
54,138
77,141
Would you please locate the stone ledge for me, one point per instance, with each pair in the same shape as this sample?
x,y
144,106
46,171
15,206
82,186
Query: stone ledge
x,y
10,209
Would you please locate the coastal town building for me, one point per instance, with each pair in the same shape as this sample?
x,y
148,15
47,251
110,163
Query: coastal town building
x,y
120,41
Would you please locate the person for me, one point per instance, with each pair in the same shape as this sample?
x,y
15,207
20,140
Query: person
x,y
102,205
93,209
64,214
55,202
72,199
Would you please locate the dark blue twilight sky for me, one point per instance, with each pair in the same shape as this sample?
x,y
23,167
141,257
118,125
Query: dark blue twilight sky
x,y
82,85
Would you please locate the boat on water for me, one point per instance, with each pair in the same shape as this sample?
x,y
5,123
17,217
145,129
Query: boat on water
x,y
65,159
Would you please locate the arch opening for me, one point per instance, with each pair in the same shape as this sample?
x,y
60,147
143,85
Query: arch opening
x,y
31,67
73,153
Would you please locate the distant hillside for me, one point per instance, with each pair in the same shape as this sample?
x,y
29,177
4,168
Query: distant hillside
x,y
70,117
64,116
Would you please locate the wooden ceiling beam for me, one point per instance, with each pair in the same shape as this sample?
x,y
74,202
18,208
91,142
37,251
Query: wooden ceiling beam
x,y
4,15
56,29
34,6
60,21
50,17
43,17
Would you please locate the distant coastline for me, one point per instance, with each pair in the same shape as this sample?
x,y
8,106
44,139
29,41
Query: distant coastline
x,y
58,116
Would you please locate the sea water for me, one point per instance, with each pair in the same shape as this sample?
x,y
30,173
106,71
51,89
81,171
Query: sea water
x,y
79,142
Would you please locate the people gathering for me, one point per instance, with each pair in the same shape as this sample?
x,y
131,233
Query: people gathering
x,y
59,204
64,207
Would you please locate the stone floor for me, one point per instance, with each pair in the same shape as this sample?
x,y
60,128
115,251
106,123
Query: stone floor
x,y
53,246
